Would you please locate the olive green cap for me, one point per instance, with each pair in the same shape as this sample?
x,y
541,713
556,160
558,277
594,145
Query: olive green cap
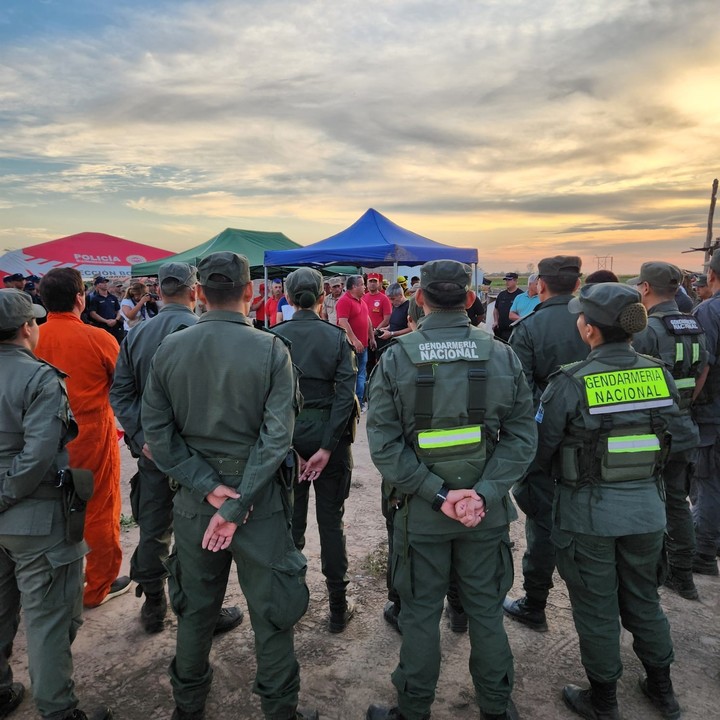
x,y
303,280
610,304
233,266
445,271
560,265
700,281
661,275
16,308
181,272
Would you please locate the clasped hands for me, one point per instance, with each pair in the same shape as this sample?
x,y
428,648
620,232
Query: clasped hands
x,y
465,506
219,533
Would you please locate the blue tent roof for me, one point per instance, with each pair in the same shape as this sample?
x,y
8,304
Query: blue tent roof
x,y
371,241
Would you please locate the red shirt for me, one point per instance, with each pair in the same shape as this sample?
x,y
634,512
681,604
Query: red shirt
x,y
271,310
356,313
260,312
378,306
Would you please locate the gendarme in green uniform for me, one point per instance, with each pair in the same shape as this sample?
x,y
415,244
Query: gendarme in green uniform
x,y
605,425
218,412
679,341
450,409
543,340
39,568
324,430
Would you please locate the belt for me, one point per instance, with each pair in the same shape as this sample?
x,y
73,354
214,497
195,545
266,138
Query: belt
x,y
313,414
227,466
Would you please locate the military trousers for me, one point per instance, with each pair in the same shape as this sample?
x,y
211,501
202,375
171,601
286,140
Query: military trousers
x,y
677,477
272,578
705,495
44,574
422,566
332,488
151,500
534,495
613,580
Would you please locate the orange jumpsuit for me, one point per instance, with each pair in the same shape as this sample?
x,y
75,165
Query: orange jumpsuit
x,y
88,355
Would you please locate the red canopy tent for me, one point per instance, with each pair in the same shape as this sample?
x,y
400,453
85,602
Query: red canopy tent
x,y
89,252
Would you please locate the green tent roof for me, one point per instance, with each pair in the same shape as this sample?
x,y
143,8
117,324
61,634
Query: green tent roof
x,y
251,243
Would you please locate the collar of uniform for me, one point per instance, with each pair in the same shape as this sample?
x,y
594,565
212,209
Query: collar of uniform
x,y
457,318
554,300
305,314
664,306
224,316
614,350
9,349
170,307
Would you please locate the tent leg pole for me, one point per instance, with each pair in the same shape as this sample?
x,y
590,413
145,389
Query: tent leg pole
x,y
266,296
395,267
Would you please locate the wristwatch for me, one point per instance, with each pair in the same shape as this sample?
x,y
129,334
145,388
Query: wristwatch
x,y
440,498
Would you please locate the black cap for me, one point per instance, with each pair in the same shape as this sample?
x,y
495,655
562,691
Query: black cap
x,y
100,279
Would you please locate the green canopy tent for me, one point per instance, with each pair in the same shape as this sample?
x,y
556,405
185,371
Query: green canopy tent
x,y
251,243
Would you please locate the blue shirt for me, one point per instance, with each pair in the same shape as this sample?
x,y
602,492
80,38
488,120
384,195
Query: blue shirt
x,y
524,304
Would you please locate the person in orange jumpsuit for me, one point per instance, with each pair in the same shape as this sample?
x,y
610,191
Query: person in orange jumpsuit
x,y
88,356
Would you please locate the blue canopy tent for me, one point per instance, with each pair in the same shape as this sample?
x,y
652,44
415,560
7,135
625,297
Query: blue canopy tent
x,y
371,241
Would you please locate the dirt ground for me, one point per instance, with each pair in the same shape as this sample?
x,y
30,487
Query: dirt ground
x,y
117,663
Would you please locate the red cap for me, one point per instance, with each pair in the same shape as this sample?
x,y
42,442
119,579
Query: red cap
x,y
374,276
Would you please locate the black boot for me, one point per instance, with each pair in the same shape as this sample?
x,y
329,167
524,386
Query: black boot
x,y
598,702
391,613
153,612
510,714
658,688
527,612
179,714
306,714
705,564
228,619
681,582
101,713
11,698
458,619
340,614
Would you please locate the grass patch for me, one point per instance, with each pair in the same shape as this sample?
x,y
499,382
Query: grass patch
x,y
375,564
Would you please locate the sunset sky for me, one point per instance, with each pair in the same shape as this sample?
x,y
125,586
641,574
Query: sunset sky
x,y
522,128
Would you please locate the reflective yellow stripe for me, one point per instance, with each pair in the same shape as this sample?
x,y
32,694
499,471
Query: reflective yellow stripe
x,y
696,352
622,390
679,352
633,444
449,438
684,383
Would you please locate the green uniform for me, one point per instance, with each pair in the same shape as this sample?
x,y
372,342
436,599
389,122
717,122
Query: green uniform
x,y
544,340
609,514
151,495
326,362
219,408
685,356
39,569
461,363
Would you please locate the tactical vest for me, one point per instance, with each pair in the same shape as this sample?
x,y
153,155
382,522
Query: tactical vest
x,y
455,448
631,442
686,332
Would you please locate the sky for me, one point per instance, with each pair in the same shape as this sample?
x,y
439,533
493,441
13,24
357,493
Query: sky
x,y
521,128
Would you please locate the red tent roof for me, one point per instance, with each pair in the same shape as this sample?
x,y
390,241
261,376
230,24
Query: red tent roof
x,y
89,252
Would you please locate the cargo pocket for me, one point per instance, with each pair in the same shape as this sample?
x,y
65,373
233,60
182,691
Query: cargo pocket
x,y
565,557
135,495
66,570
505,567
290,596
663,567
178,599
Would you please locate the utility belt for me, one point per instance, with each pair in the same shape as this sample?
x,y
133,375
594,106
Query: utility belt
x,y
313,415
74,487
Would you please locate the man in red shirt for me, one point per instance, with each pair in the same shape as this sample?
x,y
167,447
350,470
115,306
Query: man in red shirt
x,y
271,305
258,305
353,316
379,308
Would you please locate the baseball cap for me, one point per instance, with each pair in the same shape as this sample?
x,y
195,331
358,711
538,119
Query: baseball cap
x,y
32,278
510,276
610,304
14,276
182,273
334,282
374,276
559,265
233,266
100,279
303,280
445,271
661,275
16,308
700,281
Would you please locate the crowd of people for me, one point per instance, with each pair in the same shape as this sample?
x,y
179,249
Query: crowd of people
x,y
596,405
